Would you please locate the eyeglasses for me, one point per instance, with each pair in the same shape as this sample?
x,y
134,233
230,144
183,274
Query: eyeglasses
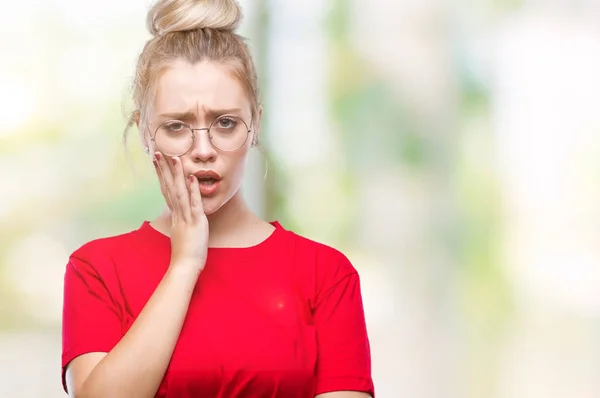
x,y
226,133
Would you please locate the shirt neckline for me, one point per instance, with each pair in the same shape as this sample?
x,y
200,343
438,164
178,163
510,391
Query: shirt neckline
x,y
155,237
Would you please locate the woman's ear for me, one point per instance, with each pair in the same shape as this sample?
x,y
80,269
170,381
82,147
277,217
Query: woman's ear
x,y
135,117
256,127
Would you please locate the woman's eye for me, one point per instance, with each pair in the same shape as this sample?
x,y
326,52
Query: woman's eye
x,y
226,123
175,126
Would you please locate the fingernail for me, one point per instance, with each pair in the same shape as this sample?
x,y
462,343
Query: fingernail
x,y
191,178
154,162
174,160
157,155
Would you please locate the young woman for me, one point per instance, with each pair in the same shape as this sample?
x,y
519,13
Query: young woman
x,y
208,300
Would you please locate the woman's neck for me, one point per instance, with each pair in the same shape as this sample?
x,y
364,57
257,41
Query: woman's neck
x,y
234,224
233,215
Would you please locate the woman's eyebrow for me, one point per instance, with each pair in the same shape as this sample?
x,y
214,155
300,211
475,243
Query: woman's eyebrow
x,y
189,115
220,112
179,115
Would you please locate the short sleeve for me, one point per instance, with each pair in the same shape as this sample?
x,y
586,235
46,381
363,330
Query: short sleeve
x,y
344,359
91,320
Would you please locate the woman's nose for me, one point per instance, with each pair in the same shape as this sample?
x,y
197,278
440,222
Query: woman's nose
x,y
203,149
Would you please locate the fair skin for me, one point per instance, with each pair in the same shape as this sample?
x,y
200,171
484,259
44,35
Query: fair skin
x,y
136,365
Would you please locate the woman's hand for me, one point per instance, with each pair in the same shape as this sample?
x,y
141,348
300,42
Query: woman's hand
x,y
189,226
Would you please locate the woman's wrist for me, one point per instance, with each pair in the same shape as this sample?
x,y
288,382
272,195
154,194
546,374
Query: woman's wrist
x,y
185,270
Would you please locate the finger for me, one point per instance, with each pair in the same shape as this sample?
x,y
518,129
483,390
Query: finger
x,y
182,194
195,198
167,187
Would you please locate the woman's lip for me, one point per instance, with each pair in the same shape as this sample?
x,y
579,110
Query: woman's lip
x,y
207,174
209,189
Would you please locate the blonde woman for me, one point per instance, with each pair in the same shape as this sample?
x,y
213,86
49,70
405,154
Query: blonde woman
x,y
208,300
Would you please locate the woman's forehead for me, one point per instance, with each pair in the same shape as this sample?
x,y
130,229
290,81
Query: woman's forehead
x,y
183,87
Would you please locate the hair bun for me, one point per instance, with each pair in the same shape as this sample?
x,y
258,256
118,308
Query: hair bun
x,y
167,16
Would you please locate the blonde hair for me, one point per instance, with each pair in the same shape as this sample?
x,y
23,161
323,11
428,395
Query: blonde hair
x,y
195,31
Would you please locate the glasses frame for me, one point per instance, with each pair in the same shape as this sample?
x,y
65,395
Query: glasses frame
x,y
207,129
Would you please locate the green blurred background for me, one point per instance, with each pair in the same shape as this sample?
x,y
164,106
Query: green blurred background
x,y
450,149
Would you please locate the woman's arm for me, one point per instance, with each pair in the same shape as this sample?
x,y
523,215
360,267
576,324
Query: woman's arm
x,y
344,360
344,394
136,366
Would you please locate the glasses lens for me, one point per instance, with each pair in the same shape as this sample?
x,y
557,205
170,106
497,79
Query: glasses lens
x,y
228,133
173,138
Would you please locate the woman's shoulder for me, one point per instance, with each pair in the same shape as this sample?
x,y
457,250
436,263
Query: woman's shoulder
x,y
104,247
315,247
329,262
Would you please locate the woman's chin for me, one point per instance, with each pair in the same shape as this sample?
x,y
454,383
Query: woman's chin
x,y
211,204
216,202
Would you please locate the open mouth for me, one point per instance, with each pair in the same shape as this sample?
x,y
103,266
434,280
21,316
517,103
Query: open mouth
x,y
207,181
208,185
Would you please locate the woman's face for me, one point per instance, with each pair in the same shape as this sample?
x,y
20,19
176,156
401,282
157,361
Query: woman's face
x,y
200,95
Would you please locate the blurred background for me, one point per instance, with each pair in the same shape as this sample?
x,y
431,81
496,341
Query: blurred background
x,y
450,149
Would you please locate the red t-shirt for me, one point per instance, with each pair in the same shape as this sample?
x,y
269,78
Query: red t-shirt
x,y
283,318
